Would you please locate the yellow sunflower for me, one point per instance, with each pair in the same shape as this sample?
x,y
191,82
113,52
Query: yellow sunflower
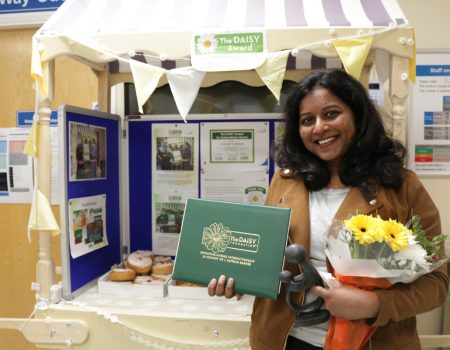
x,y
396,235
365,228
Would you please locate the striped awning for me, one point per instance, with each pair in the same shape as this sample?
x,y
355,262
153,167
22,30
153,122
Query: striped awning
x,y
88,17
165,27
303,60
297,34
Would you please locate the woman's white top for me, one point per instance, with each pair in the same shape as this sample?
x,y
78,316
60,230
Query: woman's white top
x,y
323,206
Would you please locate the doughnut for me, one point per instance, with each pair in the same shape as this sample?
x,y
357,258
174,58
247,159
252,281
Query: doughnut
x,y
148,253
143,280
186,284
161,278
162,258
140,263
118,274
162,268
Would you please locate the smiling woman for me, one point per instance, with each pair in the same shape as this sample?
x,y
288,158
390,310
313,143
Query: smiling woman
x,y
340,127
337,159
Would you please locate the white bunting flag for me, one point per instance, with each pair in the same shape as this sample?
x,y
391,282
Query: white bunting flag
x,y
184,83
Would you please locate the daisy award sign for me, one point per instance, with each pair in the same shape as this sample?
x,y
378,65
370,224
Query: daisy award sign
x,y
243,241
213,52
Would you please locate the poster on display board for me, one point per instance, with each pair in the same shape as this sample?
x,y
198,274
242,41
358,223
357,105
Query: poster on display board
x,y
242,145
174,178
87,224
235,161
429,119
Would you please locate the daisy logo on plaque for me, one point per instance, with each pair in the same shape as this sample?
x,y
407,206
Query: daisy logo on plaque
x,y
216,237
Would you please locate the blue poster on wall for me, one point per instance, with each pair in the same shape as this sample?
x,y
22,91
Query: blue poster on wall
x,y
25,6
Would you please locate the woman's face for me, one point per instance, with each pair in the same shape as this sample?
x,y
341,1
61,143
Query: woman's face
x,y
327,125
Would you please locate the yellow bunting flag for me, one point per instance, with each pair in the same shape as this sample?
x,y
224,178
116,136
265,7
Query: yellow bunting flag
x,y
353,54
146,78
32,145
272,71
412,61
41,215
36,69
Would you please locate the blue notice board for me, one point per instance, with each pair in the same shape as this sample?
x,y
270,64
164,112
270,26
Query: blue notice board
x,y
140,157
81,270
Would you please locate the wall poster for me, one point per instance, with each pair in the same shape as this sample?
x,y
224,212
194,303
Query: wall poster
x,y
429,117
16,170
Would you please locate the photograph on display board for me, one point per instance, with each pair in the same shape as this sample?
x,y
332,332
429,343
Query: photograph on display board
x,y
87,229
169,215
174,153
87,152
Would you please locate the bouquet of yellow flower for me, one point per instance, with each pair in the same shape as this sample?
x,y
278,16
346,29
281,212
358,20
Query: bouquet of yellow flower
x,y
369,252
369,246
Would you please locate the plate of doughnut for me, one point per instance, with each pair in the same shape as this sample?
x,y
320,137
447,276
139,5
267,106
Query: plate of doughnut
x,y
142,274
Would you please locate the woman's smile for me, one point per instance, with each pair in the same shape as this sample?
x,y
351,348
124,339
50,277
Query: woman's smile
x,y
325,142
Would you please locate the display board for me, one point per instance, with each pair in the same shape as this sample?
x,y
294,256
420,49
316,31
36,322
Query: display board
x,y
112,204
89,158
429,124
220,157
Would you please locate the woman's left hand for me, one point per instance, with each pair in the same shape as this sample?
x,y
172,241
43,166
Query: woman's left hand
x,y
222,287
348,302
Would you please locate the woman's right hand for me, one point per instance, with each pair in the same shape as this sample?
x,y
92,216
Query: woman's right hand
x,y
221,287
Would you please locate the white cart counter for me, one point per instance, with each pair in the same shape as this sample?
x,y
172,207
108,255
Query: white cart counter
x,y
139,322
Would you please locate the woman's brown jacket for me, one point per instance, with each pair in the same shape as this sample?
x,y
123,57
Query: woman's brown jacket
x,y
272,319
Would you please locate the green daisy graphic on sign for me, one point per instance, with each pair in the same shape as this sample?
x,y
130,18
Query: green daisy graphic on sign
x,y
216,237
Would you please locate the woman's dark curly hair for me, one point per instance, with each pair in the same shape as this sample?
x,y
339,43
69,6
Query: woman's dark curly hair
x,y
373,158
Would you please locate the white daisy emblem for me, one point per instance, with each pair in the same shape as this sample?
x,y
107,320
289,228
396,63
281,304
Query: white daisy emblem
x,y
207,44
255,197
